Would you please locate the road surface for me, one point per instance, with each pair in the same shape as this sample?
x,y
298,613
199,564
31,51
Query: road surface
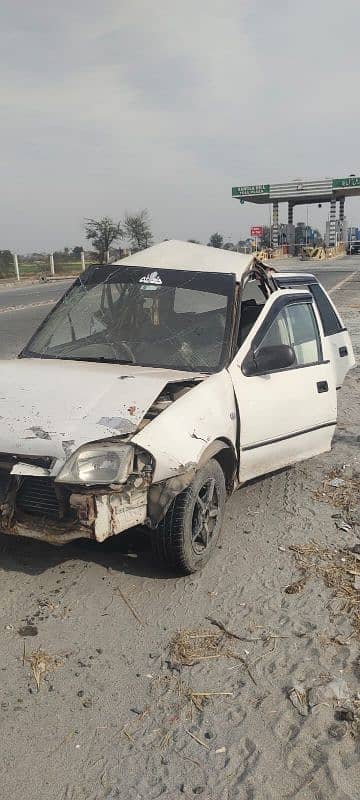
x,y
22,308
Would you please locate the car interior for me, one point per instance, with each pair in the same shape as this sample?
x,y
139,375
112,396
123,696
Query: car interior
x,y
253,299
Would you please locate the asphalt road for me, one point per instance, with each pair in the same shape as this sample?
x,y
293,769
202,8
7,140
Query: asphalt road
x,y
329,273
31,294
23,307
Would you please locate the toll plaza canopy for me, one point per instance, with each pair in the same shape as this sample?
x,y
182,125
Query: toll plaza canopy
x,y
299,192
303,192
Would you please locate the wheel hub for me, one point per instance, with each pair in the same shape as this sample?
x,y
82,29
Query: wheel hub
x,y
206,509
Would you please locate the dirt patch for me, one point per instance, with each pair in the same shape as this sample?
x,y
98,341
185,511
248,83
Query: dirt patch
x,y
189,647
174,706
340,571
41,663
340,490
28,630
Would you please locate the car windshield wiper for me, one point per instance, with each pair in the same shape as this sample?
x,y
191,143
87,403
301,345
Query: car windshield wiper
x,y
98,359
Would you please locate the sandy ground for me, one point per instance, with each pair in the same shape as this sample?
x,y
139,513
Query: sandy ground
x,y
118,714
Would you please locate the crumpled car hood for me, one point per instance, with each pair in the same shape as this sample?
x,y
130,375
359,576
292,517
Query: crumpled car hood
x,y
50,408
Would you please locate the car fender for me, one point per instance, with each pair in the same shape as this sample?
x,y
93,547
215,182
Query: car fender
x,y
193,429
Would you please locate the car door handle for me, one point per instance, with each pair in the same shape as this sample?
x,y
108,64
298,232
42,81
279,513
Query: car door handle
x,y
322,386
343,351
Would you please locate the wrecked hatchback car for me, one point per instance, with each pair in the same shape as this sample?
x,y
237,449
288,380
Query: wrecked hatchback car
x,y
157,386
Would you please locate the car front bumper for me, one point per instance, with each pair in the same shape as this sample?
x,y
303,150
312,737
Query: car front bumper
x,y
42,510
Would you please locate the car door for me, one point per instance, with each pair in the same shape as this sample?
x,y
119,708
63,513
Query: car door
x,y
337,339
289,413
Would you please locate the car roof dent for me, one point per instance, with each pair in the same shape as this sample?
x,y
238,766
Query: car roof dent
x,y
174,254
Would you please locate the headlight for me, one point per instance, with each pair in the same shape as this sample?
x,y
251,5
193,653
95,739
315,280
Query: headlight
x,y
98,464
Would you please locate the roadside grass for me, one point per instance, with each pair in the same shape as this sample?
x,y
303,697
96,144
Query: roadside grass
x,y
43,268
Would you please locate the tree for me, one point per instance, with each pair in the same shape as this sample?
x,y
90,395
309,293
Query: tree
x,y
76,251
102,233
229,246
216,240
194,241
137,230
6,264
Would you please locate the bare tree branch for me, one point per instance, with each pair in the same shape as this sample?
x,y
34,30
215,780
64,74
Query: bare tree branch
x,y
102,233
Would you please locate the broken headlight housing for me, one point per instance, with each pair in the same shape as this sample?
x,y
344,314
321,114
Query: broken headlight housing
x,y
98,464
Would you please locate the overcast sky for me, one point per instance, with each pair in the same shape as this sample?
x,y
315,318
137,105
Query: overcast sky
x,y
117,106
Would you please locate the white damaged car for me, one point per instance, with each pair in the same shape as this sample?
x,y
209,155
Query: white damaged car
x,y
157,386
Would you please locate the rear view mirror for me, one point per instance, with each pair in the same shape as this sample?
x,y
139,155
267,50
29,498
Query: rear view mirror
x,y
267,359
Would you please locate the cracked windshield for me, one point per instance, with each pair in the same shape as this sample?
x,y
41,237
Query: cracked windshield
x,y
140,321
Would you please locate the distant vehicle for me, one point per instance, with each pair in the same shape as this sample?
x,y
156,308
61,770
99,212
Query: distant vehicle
x,y
353,248
156,387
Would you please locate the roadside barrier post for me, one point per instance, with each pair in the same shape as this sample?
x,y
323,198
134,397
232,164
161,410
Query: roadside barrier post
x,y
52,266
83,265
16,265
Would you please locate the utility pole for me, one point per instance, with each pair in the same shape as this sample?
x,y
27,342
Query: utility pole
x,y
16,265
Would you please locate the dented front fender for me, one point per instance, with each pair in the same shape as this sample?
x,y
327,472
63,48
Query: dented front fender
x,y
183,432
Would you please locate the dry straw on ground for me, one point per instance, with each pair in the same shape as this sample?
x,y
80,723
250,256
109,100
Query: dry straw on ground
x,y
174,704
41,663
340,571
340,490
188,647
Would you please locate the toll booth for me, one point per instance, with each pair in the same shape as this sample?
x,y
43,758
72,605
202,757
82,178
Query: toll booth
x,y
329,190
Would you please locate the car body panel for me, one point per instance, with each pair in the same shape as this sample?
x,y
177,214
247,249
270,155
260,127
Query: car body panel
x,y
174,254
340,352
338,346
180,435
276,409
52,407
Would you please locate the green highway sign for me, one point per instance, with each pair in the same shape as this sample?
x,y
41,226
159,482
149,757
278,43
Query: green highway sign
x,y
345,183
253,189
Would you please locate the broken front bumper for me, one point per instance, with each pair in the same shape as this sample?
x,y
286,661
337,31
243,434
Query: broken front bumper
x,y
37,508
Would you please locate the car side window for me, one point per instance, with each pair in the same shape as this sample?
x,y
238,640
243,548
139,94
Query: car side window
x,y
304,334
278,332
296,327
329,318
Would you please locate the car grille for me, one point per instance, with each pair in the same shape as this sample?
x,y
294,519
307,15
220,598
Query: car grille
x,y
37,496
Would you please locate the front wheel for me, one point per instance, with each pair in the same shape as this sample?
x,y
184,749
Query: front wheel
x,y
188,534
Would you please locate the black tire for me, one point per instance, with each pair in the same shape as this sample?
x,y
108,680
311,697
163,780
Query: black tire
x,y
189,532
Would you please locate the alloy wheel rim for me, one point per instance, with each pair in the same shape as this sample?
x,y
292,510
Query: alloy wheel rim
x,y
205,514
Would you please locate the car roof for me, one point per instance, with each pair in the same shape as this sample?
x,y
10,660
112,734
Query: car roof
x,y
175,254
